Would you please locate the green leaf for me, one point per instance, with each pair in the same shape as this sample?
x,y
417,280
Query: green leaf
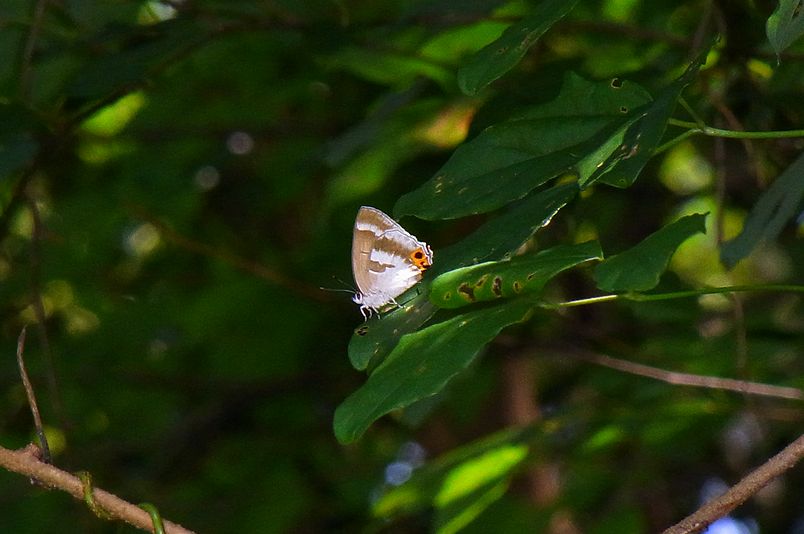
x,y
785,25
503,279
501,236
374,339
775,207
495,239
390,67
510,159
430,485
422,364
500,56
637,140
639,268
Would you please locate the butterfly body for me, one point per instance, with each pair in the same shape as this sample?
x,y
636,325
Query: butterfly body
x,y
386,260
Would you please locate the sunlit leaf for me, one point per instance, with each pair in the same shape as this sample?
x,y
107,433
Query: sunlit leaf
x,y
429,486
390,68
773,210
422,364
498,57
785,25
641,267
504,279
510,159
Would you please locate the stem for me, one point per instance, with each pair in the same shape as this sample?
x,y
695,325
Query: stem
x,y
642,297
735,134
676,140
698,120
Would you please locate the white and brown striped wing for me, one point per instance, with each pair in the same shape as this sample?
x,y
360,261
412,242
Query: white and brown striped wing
x,y
386,259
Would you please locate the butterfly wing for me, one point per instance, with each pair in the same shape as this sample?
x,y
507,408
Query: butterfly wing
x,y
381,258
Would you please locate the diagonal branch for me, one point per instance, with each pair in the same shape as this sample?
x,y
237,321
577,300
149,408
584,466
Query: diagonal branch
x,y
687,379
742,491
29,391
27,462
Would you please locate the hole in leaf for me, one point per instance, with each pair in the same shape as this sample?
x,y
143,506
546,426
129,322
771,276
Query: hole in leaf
x,y
616,83
468,291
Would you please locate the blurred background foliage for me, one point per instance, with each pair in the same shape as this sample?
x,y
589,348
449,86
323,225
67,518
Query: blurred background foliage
x,y
179,178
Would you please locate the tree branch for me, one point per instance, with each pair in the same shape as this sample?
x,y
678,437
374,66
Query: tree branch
x,y
27,462
687,379
742,491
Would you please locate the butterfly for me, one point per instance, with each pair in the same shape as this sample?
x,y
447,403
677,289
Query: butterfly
x,y
386,260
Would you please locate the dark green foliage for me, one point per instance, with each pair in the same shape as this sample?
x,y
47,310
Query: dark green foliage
x,y
178,180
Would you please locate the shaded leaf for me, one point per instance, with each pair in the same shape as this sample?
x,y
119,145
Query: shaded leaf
x,y
142,50
785,25
422,364
498,57
375,338
504,279
639,268
510,159
501,236
773,210
637,140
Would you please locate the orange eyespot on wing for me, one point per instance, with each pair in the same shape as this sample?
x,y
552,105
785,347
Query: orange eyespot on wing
x,y
419,259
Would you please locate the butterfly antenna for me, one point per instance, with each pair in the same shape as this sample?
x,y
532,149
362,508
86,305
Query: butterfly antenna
x,y
350,289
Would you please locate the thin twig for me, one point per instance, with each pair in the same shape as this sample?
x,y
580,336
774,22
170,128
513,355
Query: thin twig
x,y
39,312
742,491
26,462
687,379
29,391
28,50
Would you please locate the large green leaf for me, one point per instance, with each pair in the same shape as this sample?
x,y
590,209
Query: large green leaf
x,y
510,159
501,236
422,364
498,57
774,208
785,25
639,268
503,279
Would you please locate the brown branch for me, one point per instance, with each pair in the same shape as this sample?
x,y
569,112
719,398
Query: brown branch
x,y
29,391
27,462
687,379
28,50
742,491
39,311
